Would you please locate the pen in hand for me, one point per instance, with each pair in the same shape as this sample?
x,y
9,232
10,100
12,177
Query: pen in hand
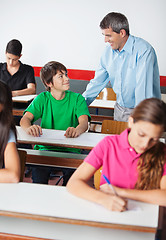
x,y
109,184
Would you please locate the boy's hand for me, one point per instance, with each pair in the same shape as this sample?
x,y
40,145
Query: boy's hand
x,y
34,130
72,132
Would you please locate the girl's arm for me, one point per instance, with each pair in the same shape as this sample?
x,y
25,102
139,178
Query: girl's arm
x,y
11,172
156,196
77,185
25,123
82,127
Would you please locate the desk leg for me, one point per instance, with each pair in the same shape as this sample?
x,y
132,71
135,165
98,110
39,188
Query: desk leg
x,y
162,223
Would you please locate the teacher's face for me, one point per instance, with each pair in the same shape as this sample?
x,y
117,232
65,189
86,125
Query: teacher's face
x,y
116,40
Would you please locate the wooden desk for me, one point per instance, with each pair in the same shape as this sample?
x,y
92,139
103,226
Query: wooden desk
x,y
23,101
24,98
104,104
18,112
52,137
51,212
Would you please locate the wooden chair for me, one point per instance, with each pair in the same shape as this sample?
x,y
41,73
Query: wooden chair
x,y
107,94
112,127
22,155
96,120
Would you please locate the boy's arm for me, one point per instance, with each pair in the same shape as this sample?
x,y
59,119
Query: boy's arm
x,y
82,127
31,89
25,123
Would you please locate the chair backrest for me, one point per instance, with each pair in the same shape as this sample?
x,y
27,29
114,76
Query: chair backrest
x,y
22,155
107,94
112,127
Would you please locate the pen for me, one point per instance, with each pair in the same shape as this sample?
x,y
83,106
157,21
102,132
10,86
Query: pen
x,y
111,187
109,184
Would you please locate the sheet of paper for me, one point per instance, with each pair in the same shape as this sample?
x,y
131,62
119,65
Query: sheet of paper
x,y
56,135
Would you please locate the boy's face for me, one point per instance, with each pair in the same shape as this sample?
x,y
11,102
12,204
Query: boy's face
x,y
60,82
12,60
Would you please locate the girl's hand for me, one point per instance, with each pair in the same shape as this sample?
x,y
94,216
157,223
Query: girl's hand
x,y
105,188
34,130
114,203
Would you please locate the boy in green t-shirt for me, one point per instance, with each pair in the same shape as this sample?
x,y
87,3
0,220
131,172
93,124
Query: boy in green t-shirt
x,y
58,109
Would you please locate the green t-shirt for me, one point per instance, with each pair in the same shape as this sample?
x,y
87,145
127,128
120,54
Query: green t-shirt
x,y
58,114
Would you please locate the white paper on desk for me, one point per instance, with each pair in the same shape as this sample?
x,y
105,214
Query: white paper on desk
x,y
53,135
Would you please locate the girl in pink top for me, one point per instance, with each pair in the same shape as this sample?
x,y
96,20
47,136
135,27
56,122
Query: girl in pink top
x,y
134,161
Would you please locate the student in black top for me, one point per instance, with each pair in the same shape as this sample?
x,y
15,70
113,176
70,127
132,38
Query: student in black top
x,y
19,77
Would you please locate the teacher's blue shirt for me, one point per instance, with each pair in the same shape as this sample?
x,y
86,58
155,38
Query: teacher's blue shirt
x,y
133,73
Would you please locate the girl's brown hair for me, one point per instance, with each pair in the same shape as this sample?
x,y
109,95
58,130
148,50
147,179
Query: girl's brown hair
x,y
151,163
6,118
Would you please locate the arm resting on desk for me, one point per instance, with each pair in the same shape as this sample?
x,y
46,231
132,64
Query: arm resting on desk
x,y
156,196
82,127
77,185
25,123
31,89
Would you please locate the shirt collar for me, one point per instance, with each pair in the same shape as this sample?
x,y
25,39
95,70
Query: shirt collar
x,y
128,47
125,143
21,68
4,67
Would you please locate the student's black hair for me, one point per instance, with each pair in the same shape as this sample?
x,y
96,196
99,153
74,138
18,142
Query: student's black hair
x,y
14,47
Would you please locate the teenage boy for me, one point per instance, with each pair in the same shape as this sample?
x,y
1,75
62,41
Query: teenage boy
x,y
18,76
58,109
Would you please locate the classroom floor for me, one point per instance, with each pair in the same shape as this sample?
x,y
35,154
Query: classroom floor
x,y
52,181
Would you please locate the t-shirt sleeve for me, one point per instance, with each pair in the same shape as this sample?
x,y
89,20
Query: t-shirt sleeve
x,y
95,157
82,108
30,78
164,170
11,137
36,107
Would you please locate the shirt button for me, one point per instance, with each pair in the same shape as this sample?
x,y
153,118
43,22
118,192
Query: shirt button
x,y
131,149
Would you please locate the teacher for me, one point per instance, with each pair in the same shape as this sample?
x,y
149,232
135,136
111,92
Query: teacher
x,y
129,63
